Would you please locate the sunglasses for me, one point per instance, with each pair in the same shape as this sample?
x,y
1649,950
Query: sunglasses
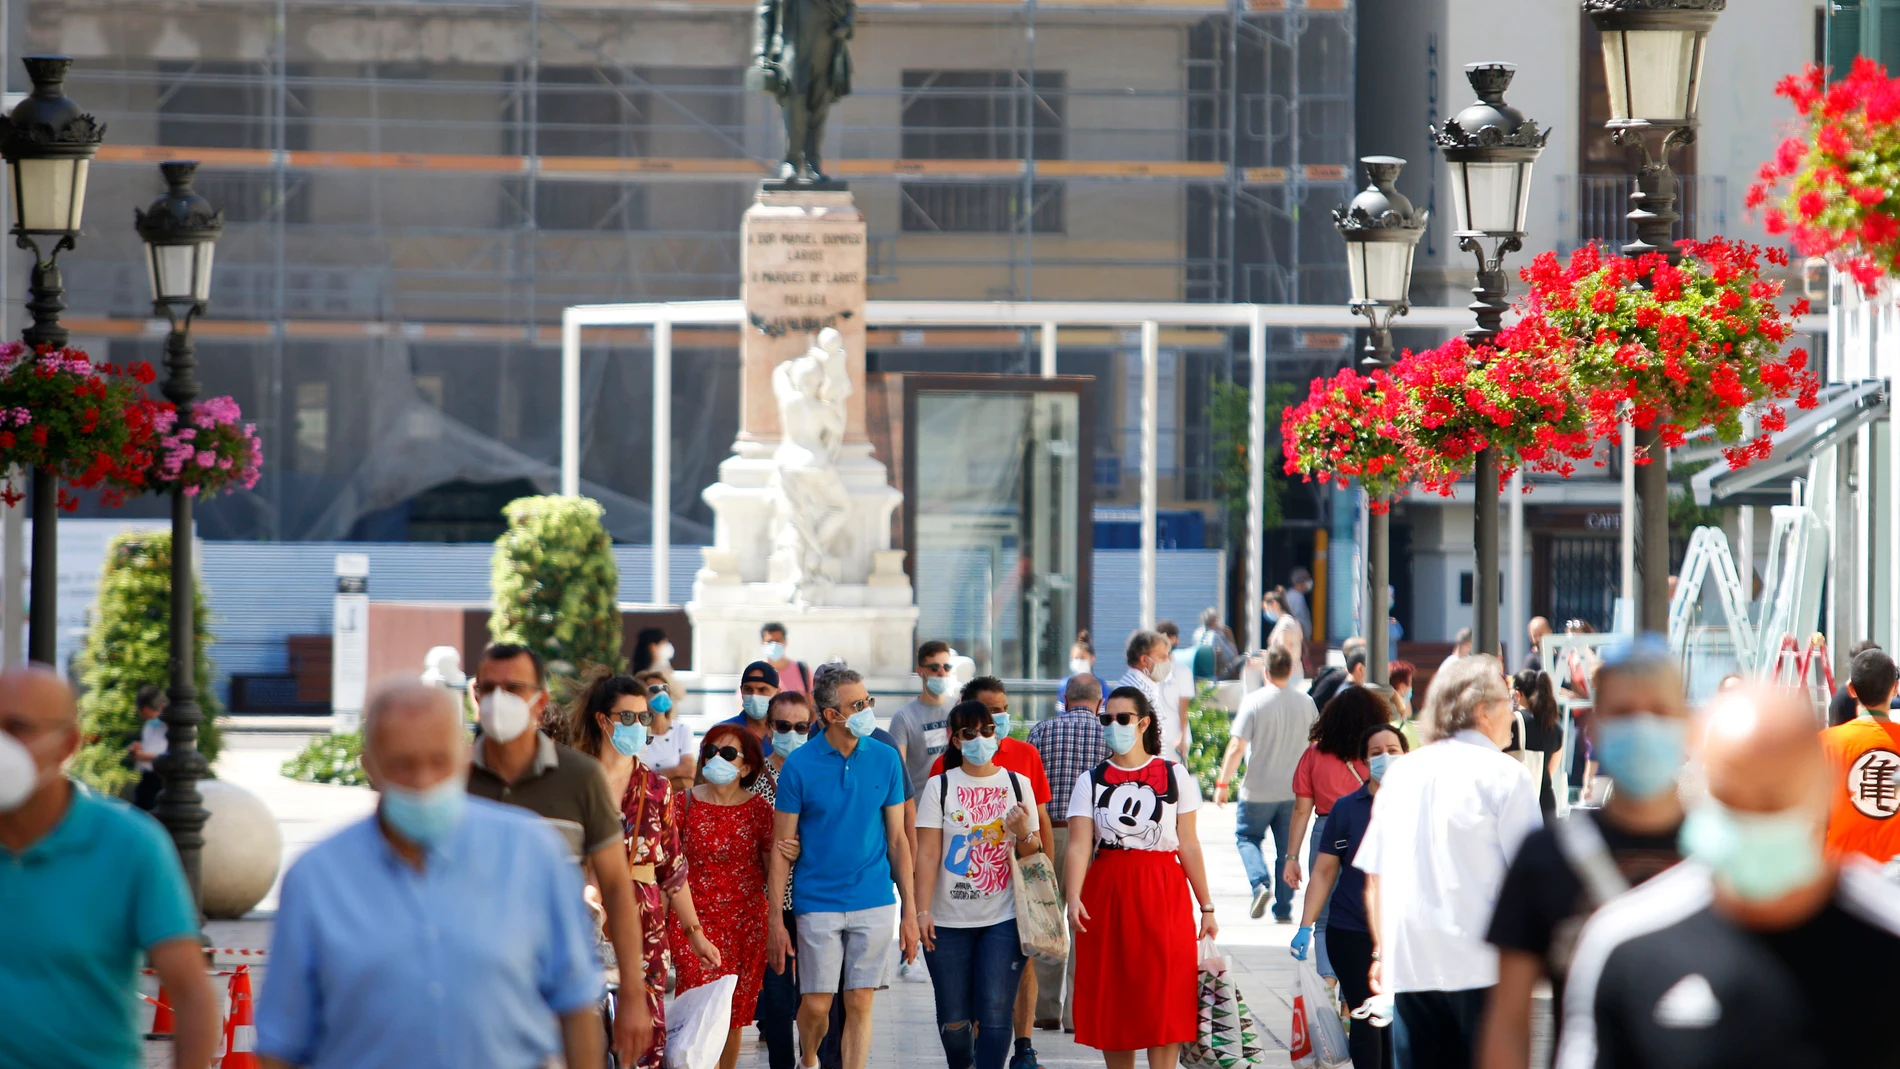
x,y
803,727
655,689
987,731
730,753
1118,718
935,669
628,719
859,706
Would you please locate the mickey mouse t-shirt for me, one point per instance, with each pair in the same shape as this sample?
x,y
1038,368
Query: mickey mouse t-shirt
x,y
1135,808
973,877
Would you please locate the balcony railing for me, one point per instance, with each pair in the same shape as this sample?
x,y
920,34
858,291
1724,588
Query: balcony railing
x,y
1595,207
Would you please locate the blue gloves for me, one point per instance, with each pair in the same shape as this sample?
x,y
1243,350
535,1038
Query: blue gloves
x,y
1302,942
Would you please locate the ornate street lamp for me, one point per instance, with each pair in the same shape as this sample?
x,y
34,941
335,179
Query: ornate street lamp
x,y
180,231
48,144
1381,228
1491,148
1653,52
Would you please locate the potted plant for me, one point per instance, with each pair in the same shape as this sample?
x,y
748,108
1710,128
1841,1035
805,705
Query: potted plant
x,y
1349,428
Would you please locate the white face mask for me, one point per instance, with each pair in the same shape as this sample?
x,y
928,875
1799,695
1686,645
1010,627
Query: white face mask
x,y
1080,667
666,652
504,715
19,773
1162,670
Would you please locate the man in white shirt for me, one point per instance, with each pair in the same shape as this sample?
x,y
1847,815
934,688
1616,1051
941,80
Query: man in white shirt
x,y
1149,667
1445,824
1176,692
152,745
1271,732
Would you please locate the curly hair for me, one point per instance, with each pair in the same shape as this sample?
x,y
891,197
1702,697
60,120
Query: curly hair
x,y
1343,724
1151,738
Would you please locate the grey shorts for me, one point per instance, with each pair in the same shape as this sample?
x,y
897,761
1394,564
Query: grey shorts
x,y
852,945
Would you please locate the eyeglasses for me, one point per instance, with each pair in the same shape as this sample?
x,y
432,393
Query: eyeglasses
x,y
802,727
987,731
524,691
1118,718
730,753
628,717
861,705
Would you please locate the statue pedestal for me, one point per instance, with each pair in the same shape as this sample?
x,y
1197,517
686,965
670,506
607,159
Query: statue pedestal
x,y
803,262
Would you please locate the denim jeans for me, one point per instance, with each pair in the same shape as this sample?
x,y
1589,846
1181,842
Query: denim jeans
x,y
1255,821
1323,961
974,973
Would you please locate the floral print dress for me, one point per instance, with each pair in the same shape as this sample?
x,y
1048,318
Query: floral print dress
x,y
647,818
725,849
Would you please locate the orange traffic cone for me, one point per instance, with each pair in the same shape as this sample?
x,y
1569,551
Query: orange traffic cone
x,y
161,1016
240,1036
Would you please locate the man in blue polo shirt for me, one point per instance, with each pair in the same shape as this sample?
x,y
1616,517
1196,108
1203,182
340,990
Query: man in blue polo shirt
x,y
842,795
86,884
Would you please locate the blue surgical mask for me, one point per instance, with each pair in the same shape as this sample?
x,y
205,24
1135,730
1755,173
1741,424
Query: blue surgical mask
x,y
1759,856
661,702
1378,763
1001,721
429,816
755,705
719,771
784,742
1642,753
629,739
937,685
979,750
775,651
1119,737
862,724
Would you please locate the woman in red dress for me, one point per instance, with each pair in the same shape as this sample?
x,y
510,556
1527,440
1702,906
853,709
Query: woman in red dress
x,y
725,835
613,727
1133,859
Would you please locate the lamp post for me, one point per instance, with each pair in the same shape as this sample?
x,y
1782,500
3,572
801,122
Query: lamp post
x,y
180,231
1652,57
48,144
1381,228
1491,148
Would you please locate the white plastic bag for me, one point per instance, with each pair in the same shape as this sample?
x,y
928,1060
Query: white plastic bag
x,y
697,1023
1319,1040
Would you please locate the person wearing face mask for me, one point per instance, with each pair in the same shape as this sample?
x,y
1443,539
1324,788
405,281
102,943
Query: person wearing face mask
x,y
1135,869
89,885
1283,630
443,930
843,794
1740,955
653,652
918,726
513,763
1447,821
725,840
1329,770
1342,888
1081,663
757,686
792,675
790,717
612,723
970,819
1150,667
1863,753
1069,743
1271,732
1177,690
669,749
1568,868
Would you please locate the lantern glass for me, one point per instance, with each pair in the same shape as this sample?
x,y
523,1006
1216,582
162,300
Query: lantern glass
x,y
1654,75
1380,270
1491,198
180,273
49,194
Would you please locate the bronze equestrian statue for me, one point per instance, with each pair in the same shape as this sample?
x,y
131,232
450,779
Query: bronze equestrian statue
x,y
801,59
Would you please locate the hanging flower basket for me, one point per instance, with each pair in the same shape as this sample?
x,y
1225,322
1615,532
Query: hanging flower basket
x,y
85,423
1348,428
1516,398
1833,188
214,453
1688,347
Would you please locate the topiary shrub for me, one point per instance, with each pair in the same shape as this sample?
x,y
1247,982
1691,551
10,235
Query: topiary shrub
x,y
330,759
128,646
554,586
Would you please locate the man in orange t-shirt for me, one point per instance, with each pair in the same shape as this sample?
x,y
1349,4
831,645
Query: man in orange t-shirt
x,y
1865,753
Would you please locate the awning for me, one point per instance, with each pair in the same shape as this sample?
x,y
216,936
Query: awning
x,y
1843,409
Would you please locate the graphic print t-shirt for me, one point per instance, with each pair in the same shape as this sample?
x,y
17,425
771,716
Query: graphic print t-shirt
x,y
973,878
1135,808
1866,757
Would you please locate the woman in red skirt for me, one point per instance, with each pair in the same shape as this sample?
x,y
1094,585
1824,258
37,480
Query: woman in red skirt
x,y
1133,859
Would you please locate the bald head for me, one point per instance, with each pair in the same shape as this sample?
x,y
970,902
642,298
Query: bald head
x,y
1762,752
37,709
413,735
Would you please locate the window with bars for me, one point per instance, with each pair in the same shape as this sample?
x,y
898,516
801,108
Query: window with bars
x,y
984,115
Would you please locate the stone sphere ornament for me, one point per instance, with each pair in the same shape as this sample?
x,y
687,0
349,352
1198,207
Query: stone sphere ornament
x,y
243,849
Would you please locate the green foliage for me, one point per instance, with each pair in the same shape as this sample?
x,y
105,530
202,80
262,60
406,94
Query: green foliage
x,y
330,759
128,646
1227,421
554,583
1684,514
1208,722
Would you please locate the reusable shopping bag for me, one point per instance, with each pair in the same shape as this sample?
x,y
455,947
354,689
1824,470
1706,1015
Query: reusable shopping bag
x,y
696,1025
1226,1038
1041,922
1319,1040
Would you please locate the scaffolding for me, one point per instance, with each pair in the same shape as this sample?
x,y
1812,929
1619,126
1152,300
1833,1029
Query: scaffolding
x,y
406,174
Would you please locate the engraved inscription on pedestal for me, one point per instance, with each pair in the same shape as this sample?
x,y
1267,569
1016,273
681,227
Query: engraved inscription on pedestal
x,y
803,261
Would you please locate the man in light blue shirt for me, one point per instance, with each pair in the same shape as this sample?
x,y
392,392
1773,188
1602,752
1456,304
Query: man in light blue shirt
x,y
445,932
86,884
